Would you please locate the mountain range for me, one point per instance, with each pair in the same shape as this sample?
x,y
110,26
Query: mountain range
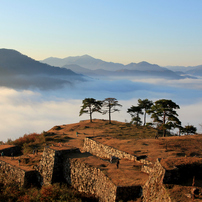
x,y
95,67
193,70
20,71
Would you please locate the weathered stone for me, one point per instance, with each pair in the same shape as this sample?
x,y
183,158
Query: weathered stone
x,y
154,189
13,173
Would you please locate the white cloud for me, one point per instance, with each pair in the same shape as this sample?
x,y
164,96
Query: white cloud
x,y
29,111
22,113
191,114
187,83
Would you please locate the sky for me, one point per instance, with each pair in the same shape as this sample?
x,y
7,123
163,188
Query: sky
x,y
163,32
158,31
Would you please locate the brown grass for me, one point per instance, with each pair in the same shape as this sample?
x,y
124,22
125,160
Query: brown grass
x,y
135,140
128,173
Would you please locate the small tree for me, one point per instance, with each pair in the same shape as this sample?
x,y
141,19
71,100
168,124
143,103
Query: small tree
x,y
146,105
135,112
90,105
110,105
163,112
189,129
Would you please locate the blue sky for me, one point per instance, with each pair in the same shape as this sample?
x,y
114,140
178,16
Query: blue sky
x,y
164,32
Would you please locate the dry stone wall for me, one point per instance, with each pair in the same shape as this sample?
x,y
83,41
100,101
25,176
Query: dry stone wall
x,y
51,165
146,169
154,189
104,151
12,173
62,165
45,167
89,179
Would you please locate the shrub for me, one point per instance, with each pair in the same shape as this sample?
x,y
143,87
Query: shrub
x,y
26,139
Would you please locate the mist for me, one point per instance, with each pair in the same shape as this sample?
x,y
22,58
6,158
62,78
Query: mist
x,y
28,110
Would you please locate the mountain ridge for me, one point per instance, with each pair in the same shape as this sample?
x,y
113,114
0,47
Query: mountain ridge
x,y
97,67
95,64
22,72
12,61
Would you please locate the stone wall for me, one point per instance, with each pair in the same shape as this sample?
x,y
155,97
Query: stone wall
x,y
104,151
89,179
154,189
51,165
13,173
146,169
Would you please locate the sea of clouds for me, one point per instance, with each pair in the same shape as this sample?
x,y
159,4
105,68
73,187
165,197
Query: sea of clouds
x,y
26,111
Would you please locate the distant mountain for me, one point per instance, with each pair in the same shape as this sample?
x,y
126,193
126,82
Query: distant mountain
x,y
166,74
197,71
191,70
78,69
162,73
90,66
180,68
144,66
142,69
85,61
13,62
20,71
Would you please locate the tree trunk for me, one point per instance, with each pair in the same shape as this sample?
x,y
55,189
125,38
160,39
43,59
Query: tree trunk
x,y
109,115
91,115
144,117
164,120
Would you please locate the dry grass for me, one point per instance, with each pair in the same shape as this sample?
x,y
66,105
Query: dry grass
x,y
128,173
135,140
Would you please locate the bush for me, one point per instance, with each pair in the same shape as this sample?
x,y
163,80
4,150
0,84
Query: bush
x,y
26,139
55,192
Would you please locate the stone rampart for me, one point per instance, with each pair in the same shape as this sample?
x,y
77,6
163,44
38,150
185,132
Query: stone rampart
x,y
13,173
89,179
146,169
154,189
69,166
104,151
51,165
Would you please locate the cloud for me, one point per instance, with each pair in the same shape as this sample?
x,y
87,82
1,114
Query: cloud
x,y
191,114
187,83
27,111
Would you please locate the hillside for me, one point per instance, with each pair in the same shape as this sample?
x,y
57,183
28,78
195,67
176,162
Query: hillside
x,y
13,63
20,71
138,141
135,140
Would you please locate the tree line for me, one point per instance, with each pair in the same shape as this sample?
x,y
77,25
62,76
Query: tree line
x,y
163,113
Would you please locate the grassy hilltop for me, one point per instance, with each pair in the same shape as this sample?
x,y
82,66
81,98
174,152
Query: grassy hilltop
x,y
136,140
